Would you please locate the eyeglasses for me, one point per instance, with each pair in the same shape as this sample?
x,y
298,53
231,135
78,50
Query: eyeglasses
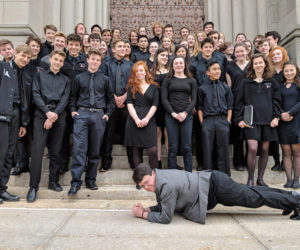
x,y
145,184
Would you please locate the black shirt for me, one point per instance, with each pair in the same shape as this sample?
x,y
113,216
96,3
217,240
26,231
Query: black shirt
x,y
265,98
51,89
140,56
179,94
16,86
46,49
104,96
205,98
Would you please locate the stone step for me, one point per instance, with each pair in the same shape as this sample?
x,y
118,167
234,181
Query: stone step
x,y
114,192
124,177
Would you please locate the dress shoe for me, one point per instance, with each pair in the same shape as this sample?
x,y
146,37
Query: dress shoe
x,y
288,184
250,182
296,184
105,167
179,167
281,167
20,168
31,195
63,169
55,187
260,182
73,190
239,168
9,197
91,186
1,201
199,168
275,167
296,215
159,165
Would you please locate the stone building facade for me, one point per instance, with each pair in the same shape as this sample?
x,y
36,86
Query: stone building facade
x,y
20,18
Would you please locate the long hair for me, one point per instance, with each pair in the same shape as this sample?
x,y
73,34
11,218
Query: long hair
x,y
285,56
155,66
268,71
297,76
133,83
186,72
196,47
172,48
187,57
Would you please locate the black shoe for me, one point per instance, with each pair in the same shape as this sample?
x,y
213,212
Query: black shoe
x,y
288,184
276,167
63,169
73,190
179,167
239,168
55,187
105,167
31,195
1,201
286,211
281,167
159,165
9,197
20,168
296,184
260,182
91,186
199,168
296,215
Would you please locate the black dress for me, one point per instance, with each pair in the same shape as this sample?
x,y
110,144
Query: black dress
x,y
145,137
160,113
289,132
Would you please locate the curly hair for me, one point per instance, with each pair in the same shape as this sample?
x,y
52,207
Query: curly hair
x,y
285,56
133,83
268,71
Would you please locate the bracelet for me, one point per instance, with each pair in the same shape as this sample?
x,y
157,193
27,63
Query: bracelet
x,y
143,214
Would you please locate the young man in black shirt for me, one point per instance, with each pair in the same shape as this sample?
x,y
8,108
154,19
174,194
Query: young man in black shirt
x,y
47,46
118,71
91,105
75,63
142,54
215,103
51,92
157,29
14,115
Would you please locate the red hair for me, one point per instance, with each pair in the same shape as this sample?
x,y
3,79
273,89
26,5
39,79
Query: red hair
x,y
133,83
285,56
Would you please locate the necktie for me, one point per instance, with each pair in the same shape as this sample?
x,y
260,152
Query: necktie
x,y
215,94
119,79
92,90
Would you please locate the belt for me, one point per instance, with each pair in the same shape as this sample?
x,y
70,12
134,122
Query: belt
x,y
51,106
91,109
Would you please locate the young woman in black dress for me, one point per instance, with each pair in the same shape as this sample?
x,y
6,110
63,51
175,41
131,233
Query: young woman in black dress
x,y
142,101
179,95
277,57
236,72
262,92
289,125
159,71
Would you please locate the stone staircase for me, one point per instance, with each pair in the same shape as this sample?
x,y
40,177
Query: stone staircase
x,y
115,184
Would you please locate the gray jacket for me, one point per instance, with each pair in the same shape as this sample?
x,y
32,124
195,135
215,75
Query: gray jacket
x,y
180,191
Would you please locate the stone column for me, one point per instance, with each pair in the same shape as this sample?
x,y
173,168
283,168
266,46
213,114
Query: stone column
x,y
237,18
67,16
79,7
104,19
215,11
261,16
89,13
225,24
250,18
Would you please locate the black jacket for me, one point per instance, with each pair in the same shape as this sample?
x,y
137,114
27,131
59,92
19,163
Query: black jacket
x,y
109,68
71,70
199,65
46,49
9,77
265,98
51,89
140,56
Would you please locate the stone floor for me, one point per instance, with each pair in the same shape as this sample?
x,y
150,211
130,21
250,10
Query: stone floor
x,y
82,224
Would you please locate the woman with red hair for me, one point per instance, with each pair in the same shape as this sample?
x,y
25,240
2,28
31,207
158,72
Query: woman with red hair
x,y
142,101
277,57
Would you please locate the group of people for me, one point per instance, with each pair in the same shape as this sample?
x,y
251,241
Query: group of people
x,y
147,91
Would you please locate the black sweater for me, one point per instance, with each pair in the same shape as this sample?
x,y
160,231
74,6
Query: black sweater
x,y
179,94
265,98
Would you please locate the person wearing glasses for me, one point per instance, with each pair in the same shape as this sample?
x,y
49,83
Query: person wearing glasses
x,y
192,194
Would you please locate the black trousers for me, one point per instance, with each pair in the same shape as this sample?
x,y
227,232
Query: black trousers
x,y
227,192
53,138
216,129
8,139
88,134
116,125
238,146
198,143
65,151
